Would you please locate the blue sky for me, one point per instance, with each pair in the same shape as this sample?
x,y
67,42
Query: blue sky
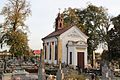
x,y
44,13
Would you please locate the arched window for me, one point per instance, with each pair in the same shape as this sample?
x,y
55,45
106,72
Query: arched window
x,y
60,25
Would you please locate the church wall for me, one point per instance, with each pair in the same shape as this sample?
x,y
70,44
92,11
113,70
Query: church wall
x,y
59,50
86,58
48,42
74,51
69,36
45,44
64,49
71,49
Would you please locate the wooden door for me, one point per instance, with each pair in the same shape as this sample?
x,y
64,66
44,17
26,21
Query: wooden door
x,y
80,60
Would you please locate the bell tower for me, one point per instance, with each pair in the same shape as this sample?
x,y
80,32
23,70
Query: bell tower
x,y
59,22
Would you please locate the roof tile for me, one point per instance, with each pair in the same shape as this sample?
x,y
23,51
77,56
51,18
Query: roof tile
x,y
56,33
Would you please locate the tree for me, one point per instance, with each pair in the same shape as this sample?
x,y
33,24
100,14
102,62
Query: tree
x,y
71,17
18,42
105,55
92,21
15,35
114,39
15,13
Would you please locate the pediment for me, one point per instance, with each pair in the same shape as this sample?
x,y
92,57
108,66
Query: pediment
x,y
74,34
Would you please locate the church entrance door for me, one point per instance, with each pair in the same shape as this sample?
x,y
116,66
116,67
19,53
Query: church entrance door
x,y
80,59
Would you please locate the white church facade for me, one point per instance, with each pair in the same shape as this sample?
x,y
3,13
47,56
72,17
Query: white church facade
x,y
66,45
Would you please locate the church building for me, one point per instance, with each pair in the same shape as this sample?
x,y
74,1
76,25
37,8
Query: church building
x,y
66,45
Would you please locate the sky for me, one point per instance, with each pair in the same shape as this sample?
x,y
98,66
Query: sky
x,y
44,12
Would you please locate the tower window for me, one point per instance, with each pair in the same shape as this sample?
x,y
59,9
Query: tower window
x,y
60,25
52,43
47,43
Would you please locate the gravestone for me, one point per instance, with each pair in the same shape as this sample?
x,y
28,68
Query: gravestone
x,y
111,74
41,70
60,74
105,72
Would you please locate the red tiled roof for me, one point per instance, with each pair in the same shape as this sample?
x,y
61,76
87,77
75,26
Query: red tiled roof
x,y
36,51
57,33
